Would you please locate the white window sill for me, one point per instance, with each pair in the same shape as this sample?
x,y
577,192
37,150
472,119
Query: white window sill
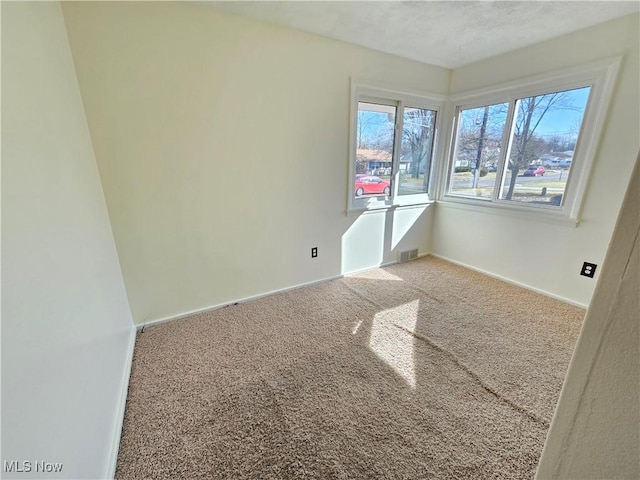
x,y
539,214
376,208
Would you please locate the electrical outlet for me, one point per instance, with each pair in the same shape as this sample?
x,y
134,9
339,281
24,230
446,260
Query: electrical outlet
x,y
588,269
314,252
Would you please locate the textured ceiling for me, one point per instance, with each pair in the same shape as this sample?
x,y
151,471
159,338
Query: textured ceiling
x,y
445,33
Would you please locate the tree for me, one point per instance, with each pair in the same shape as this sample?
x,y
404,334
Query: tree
x,y
480,137
417,136
478,162
365,121
526,147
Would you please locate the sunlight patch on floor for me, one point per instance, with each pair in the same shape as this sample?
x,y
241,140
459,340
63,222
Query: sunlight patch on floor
x,y
355,329
391,343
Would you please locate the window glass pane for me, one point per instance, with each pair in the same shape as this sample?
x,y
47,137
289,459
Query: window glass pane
x,y
417,145
543,140
477,150
374,149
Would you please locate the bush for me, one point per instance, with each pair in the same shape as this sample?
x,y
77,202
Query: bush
x,y
483,172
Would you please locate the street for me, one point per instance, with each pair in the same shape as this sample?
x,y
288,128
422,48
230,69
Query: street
x,y
552,179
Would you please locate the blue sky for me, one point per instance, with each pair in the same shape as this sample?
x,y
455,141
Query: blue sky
x,y
560,122
564,122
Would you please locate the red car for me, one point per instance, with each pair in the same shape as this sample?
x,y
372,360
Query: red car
x,y
534,171
368,184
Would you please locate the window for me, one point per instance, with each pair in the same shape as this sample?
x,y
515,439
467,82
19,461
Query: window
x,y
478,146
418,130
529,147
393,143
530,161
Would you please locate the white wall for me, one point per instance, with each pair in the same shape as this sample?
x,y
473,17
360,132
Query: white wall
x,y
595,432
66,324
222,144
546,256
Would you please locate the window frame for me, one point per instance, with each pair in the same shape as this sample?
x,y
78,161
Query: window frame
x,y
364,92
600,76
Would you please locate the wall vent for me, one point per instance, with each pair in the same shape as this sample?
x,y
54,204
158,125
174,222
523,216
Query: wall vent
x,y
408,255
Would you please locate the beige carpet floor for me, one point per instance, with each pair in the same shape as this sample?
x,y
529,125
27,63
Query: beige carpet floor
x,y
415,371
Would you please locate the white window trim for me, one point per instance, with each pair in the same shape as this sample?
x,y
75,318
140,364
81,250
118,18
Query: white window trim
x,y
364,91
600,76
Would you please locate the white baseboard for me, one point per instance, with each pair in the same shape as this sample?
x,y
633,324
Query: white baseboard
x,y
355,272
367,269
260,295
179,316
513,282
122,403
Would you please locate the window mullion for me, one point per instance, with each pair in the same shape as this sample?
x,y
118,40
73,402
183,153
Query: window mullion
x,y
505,151
397,146
453,147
